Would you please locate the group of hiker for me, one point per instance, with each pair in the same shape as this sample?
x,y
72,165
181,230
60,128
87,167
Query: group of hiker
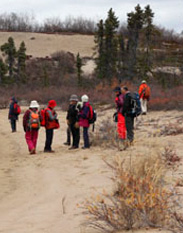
x,y
128,106
80,114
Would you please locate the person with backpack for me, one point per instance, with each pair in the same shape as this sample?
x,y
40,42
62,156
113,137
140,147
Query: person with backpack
x,y
14,111
51,123
84,115
127,112
144,93
72,121
119,101
31,125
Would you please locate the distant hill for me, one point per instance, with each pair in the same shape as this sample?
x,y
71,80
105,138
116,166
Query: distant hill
x,y
41,45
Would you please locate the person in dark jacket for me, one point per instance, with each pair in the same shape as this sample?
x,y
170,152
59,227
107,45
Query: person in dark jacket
x,y
127,113
31,125
72,121
84,114
13,116
51,123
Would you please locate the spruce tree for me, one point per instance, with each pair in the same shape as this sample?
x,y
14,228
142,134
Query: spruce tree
x,y
3,70
148,30
111,45
79,69
9,51
135,24
100,51
21,62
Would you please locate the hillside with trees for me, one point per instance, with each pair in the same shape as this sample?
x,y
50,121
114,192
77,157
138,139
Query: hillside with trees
x,y
123,54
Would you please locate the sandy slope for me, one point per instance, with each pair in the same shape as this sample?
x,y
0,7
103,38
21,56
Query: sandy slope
x,y
40,193
41,45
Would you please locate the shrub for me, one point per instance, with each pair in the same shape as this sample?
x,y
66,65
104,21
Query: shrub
x,y
141,198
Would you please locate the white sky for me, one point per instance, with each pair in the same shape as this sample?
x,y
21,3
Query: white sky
x,y
168,13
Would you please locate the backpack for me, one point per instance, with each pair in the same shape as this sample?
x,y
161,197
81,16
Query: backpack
x,y
34,121
92,115
146,92
17,109
135,104
43,117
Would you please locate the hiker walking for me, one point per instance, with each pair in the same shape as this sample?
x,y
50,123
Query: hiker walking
x,y
127,113
144,93
31,125
83,116
14,111
119,101
51,123
72,121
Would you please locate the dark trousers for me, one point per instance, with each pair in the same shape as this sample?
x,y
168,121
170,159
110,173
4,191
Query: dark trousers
x,y
129,121
13,125
86,137
68,135
75,135
49,139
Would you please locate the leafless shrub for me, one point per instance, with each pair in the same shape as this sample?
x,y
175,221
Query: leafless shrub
x,y
170,156
106,134
172,129
141,198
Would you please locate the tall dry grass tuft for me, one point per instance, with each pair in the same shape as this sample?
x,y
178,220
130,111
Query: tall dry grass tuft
x,y
140,199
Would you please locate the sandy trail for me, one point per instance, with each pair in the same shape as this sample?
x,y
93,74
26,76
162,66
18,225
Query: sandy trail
x,y
39,193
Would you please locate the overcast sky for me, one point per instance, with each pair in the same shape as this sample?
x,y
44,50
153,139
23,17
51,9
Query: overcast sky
x,y
168,13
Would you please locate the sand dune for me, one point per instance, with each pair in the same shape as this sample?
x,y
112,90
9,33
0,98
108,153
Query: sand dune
x,y
39,193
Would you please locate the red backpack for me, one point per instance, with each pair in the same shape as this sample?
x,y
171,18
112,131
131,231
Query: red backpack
x,y
17,109
43,117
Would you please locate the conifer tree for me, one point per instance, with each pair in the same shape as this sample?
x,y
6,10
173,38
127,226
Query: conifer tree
x,y
99,41
9,51
3,70
21,62
79,69
111,44
135,24
106,47
148,29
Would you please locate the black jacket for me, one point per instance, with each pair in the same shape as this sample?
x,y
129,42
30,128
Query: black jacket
x,y
72,114
127,106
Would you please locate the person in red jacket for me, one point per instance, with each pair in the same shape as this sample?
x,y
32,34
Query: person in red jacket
x,y
51,123
31,125
121,127
144,94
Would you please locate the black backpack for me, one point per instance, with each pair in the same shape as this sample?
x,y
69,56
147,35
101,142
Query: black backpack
x,y
135,104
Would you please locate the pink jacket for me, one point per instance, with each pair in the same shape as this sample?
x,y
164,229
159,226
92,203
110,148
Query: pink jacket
x,y
84,115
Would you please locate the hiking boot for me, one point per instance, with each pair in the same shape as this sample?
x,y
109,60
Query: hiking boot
x,y
67,143
49,151
73,148
85,147
33,151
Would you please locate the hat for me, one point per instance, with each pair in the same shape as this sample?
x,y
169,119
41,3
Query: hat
x,y
73,98
52,104
117,89
84,98
143,81
34,104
